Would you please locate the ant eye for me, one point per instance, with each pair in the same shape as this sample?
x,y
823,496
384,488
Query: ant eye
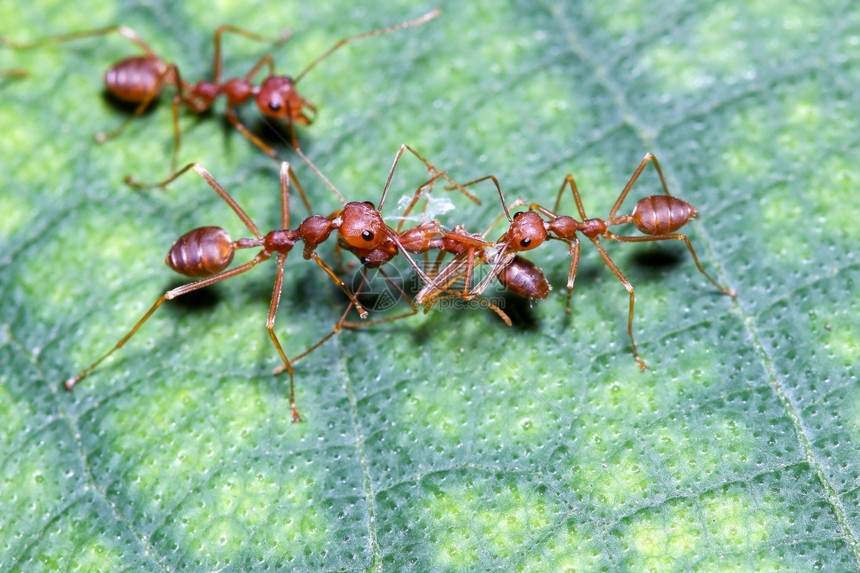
x,y
525,242
370,203
274,106
518,214
367,236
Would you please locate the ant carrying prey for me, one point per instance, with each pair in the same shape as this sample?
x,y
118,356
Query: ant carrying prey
x,y
207,251
658,217
520,276
139,80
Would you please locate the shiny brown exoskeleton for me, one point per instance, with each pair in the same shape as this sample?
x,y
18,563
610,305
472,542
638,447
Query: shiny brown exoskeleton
x,y
140,80
208,251
657,216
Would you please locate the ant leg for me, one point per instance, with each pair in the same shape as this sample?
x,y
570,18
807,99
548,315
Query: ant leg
x,y
225,196
417,22
318,343
169,75
218,65
14,73
415,198
343,323
322,340
182,97
391,171
454,270
649,158
61,38
503,259
402,293
485,303
169,295
505,205
617,272
228,199
361,310
543,211
442,279
234,119
569,180
270,326
264,61
177,138
132,182
670,237
573,249
286,175
301,190
432,169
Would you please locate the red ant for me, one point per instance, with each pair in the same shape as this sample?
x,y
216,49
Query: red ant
x,y
657,216
208,251
520,276
139,80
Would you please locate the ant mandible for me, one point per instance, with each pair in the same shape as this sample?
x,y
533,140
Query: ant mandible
x,y
139,80
208,251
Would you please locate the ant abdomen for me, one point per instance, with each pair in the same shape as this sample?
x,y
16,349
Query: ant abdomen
x,y
662,214
523,278
201,252
134,79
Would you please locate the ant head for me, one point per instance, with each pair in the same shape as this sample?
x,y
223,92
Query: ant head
x,y
277,97
527,231
362,226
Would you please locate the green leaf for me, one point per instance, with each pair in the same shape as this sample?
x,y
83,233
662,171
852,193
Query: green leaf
x,y
446,441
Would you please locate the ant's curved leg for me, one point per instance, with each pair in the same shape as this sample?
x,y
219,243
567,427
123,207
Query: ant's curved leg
x,y
169,295
218,65
672,237
617,272
270,326
343,323
649,158
234,120
570,181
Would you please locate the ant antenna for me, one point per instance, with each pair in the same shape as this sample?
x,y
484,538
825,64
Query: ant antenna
x,y
411,23
319,173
